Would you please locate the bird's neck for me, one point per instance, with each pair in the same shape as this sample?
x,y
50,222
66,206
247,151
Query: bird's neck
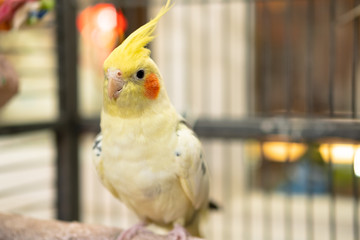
x,y
140,110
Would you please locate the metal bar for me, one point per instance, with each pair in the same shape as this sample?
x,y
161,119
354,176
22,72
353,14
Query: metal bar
x,y
301,129
226,52
226,70
332,54
68,133
355,64
266,80
135,13
250,26
287,56
247,216
30,127
332,64
89,125
309,205
356,203
188,56
288,105
309,54
309,110
205,56
266,200
227,219
85,125
332,205
288,200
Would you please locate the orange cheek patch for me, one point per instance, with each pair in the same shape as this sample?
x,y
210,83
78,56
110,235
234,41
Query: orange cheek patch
x,y
152,86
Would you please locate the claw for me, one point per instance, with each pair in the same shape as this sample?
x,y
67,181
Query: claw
x,y
178,233
131,232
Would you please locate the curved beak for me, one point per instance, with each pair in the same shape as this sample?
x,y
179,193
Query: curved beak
x,y
115,84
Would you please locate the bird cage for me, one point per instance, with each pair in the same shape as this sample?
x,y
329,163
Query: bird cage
x,y
269,86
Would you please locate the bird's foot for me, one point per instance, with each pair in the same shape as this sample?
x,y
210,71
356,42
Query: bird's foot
x,y
178,233
131,232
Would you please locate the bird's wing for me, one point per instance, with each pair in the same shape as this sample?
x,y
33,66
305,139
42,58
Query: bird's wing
x,y
192,169
98,163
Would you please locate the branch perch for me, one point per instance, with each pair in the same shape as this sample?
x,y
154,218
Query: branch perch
x,y
17,227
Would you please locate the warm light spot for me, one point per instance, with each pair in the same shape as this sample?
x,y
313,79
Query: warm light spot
x,y
339,153
107,19
283,151
357,163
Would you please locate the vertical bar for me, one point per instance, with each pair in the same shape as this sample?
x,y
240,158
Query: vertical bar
x,y
266,90
67,134
226,67
288,203
227,191
136,15
287,57
332,55
309,60
356,199
188,59
332,64
332,205
205,54
247,213
249,16
266,177
226,70
355,64
309,111
288,104
246,217
266,47
309,203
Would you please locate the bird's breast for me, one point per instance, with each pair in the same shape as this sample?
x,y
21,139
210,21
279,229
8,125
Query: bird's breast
x,y
138,161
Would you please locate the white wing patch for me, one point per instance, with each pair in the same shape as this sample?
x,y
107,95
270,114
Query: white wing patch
x,y
193,172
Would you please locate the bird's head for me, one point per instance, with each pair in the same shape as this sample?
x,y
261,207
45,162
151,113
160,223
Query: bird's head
x,y
132,79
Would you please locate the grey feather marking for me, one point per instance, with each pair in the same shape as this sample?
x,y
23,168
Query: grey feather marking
x,y
97,145
203,168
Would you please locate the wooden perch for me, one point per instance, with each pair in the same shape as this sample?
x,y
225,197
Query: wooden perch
x,y
17,227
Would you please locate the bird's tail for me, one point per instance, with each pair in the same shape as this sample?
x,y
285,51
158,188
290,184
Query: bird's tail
x,y
195,225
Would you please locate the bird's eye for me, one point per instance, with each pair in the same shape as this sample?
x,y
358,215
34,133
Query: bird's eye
x,y
140,74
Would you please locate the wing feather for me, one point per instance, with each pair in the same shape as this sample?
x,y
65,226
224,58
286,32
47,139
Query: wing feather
x,y
192,168
98,163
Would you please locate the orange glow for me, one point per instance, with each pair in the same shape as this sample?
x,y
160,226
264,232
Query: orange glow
x,y
283,151
102,25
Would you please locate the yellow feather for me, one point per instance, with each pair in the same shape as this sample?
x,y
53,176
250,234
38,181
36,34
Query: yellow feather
x,y
130,53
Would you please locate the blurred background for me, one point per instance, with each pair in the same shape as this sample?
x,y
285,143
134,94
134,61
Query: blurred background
x,y
270,87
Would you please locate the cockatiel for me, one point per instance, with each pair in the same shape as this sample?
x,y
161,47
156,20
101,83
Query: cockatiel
x,y
146,154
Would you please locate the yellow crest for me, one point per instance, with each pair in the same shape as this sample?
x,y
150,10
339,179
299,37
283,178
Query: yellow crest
x,y
132,49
